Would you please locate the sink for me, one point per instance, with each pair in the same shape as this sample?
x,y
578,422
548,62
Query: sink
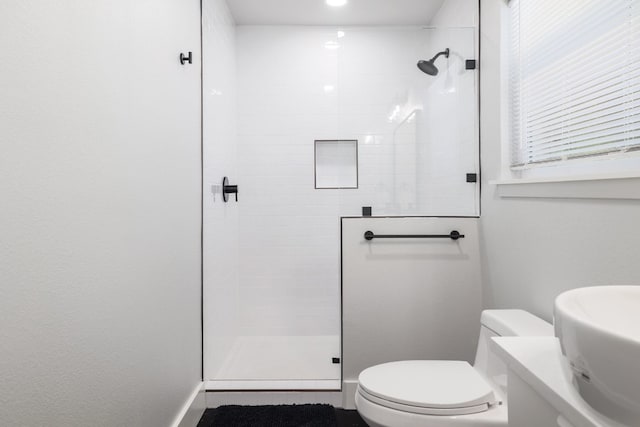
x,y
599,332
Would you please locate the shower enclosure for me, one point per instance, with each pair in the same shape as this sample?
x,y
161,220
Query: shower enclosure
x,y
314,123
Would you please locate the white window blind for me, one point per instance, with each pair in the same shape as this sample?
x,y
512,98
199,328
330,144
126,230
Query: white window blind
x,y
574,79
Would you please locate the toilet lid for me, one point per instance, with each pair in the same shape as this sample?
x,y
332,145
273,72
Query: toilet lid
x,y
444,386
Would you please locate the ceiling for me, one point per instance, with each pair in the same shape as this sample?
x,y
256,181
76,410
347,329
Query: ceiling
x,y
316,12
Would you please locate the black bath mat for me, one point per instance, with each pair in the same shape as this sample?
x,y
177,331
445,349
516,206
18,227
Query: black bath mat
x,y
270,416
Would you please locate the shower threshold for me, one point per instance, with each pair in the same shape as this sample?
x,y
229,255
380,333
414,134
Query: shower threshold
x,y
272,385
280,363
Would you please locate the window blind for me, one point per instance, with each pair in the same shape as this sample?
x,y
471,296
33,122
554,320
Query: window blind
x,y
574,79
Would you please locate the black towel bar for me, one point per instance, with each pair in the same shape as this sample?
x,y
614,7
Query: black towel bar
x,y
454,235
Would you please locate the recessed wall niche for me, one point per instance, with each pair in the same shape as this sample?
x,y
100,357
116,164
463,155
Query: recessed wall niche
x,y
336,163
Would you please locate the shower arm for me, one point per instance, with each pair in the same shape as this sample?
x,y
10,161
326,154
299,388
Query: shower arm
x,y
444,52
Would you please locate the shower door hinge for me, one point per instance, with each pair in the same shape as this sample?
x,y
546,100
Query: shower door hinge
x,y
335,360
472,177
470,64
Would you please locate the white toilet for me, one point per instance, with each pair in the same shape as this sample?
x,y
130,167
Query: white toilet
x,y
441,393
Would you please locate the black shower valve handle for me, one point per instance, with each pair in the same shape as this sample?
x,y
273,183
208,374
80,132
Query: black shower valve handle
x,y
228,189
232,189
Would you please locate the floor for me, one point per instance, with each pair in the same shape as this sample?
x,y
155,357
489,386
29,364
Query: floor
x,y
348,418
280,362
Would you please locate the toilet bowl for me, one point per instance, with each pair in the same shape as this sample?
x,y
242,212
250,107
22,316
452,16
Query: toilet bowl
x,y
445,393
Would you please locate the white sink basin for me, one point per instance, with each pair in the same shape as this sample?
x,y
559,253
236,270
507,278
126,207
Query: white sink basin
x,y
599,331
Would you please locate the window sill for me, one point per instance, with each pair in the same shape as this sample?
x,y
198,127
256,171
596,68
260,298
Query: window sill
x,y
624,187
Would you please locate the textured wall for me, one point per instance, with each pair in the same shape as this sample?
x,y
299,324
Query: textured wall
x,y
100,217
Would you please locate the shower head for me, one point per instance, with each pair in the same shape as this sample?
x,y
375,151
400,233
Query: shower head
x,y
429,66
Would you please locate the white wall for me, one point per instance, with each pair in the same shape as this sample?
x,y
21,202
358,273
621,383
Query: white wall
x,y
220,159
536,248
100,218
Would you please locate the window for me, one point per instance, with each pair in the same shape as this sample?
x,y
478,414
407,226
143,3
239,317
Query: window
x,y
574,84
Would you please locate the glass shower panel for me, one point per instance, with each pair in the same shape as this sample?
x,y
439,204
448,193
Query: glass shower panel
x,y
418,133
446,126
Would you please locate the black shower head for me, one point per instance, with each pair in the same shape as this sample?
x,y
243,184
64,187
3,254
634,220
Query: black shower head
x,y
429,66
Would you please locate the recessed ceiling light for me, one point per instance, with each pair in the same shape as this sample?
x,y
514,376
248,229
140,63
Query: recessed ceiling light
x,y
340,34
336,3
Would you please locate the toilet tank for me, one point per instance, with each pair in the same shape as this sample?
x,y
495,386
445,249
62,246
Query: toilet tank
x,y
504,323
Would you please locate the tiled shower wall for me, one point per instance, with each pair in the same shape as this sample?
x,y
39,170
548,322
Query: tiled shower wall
x,y
299,84
272,261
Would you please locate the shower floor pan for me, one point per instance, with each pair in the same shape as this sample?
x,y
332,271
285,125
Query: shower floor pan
x,y
280,363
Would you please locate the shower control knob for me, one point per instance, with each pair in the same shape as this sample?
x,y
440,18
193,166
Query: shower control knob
x,y
228,189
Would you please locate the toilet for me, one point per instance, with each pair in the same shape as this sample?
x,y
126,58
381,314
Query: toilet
x,y
444,393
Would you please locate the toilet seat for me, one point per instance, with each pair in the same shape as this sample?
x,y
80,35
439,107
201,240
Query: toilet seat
x,y
429,387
